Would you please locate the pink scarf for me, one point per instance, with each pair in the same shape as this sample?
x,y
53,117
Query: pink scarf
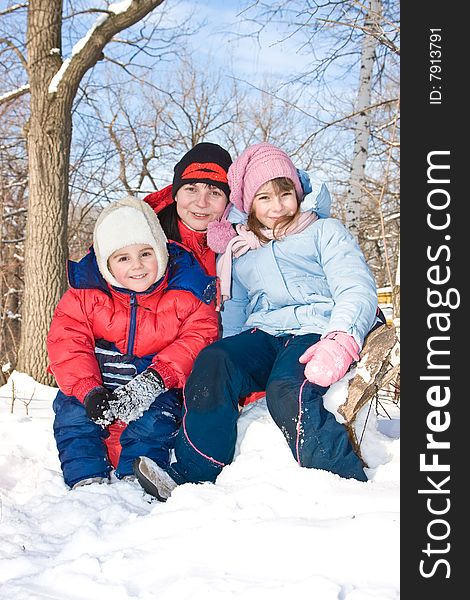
x,y
247,240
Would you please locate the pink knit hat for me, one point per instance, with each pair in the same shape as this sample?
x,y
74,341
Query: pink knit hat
x,y
253,168
257,165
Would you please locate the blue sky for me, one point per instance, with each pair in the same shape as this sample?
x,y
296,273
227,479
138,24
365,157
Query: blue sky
x,y
225,41
218,41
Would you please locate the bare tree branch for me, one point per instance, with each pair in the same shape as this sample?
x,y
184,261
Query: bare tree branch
x,y
73,70
16,50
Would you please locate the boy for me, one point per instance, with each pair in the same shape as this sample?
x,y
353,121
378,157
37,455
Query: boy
x,y
122,342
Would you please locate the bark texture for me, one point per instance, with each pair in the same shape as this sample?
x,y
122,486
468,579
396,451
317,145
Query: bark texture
x,y
356,192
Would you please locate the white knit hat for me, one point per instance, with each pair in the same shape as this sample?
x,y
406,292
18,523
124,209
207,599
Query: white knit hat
x,y
123,223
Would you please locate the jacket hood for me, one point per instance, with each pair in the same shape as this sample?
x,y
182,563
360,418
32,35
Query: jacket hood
x,y
321,203
160,199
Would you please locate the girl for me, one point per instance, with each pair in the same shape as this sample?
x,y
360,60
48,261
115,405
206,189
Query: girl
x,y
300,300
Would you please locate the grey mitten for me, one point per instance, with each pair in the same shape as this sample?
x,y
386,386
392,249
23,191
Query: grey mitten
x,y
129,402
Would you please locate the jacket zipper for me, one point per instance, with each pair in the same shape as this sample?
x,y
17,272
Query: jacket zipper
x,y
132,324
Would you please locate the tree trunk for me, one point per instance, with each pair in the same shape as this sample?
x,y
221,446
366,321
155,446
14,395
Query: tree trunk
x,y
355,194
396,291
48,137
46,235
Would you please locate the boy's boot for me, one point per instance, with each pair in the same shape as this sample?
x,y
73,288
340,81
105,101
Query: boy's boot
x,y
153,479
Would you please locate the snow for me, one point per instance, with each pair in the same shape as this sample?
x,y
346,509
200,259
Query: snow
x,y
267,530
119,7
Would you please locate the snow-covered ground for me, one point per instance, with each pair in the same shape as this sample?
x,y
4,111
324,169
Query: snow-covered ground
x,y
267,530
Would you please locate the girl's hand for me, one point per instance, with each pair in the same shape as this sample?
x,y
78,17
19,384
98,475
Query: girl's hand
x,y
328,360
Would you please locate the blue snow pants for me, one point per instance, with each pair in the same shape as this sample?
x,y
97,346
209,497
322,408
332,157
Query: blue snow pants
x,y
249,362
80,441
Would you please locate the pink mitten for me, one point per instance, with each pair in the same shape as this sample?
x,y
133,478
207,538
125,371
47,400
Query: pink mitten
x,y
329,359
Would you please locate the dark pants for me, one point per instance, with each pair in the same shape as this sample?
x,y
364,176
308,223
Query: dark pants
x,y
81,445
249,362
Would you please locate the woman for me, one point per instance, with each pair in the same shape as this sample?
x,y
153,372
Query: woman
x,y
198,196
302,300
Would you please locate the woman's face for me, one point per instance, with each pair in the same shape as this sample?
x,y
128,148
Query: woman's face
x,y
269,205
198,204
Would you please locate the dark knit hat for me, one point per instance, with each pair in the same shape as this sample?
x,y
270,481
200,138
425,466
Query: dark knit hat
x,y
205,163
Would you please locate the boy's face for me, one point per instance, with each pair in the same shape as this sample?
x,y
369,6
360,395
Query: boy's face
x,y
198,204
135,267
271,204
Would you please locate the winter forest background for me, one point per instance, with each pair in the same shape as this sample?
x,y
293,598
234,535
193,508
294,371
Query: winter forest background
x,y
100,99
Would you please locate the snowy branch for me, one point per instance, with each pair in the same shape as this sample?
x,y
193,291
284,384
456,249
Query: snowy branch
x,y
9,96
88,50
13,8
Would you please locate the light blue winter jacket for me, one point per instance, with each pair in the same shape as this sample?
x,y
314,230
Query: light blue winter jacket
x,y
315,281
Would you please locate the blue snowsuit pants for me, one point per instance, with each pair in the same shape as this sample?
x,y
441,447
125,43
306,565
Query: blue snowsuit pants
x,y
80,441
248,362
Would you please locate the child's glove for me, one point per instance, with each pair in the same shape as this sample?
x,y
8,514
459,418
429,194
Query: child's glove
x,y
97,407
329,359
129,402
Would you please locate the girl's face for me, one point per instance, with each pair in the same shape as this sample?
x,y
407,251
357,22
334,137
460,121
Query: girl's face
x,y
198,204
270,205
135,267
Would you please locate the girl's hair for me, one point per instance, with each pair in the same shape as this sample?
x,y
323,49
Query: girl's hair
x,y
280,184
168,218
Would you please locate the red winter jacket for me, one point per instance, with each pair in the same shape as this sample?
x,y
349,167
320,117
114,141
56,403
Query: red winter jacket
x,y
196,241
173,323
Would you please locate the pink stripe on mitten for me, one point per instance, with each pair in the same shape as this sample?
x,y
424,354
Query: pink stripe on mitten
x,y
328,360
